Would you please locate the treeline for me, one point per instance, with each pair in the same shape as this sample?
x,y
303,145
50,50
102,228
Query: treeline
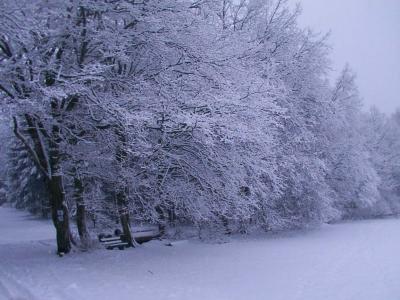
x,y
215,114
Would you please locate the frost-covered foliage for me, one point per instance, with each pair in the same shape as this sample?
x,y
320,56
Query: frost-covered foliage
x,y
383,136
351,176
25,186
4,136
212,113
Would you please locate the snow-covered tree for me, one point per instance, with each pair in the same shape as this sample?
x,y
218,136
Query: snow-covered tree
x,y
213,113
352,174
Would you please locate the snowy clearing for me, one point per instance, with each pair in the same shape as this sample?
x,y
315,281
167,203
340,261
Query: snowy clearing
x,y
358,260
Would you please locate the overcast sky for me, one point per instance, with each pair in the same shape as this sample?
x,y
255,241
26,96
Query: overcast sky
x,y
366,34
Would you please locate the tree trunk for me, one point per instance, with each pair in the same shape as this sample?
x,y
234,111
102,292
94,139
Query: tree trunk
x,y
60,212
124,217
48,161
161,220
121,195
81,213
60,215
81,224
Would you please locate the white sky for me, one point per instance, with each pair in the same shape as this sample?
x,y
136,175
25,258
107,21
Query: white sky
x,y
366,34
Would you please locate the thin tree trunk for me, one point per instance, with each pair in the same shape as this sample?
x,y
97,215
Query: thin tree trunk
x,y
81,224
161,220
121,195
124,217
81,213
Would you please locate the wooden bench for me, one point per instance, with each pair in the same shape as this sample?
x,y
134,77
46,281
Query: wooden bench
x,y
118,240
111,242
143,235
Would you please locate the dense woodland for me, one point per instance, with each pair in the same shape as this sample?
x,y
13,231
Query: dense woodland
x,y
215,115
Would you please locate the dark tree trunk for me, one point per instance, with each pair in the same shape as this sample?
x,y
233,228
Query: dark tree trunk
x,y
48,161
60,214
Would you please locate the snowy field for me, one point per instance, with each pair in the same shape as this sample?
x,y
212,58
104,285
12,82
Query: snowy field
x,y
354,261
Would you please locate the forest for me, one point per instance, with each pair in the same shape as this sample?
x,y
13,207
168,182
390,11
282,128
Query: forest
x,y
213,117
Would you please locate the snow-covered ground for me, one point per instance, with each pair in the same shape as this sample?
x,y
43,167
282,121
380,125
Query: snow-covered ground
x,y
359,260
